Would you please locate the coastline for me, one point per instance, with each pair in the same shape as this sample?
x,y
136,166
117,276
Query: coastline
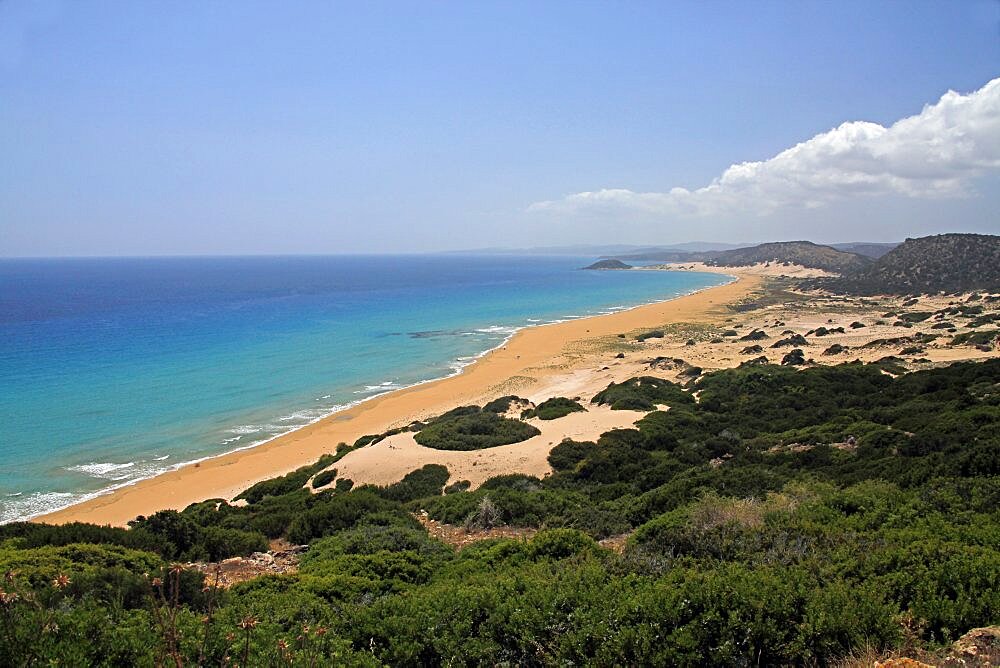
x,y
538,355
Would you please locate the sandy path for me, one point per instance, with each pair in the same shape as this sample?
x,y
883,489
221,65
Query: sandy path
x,y
563,354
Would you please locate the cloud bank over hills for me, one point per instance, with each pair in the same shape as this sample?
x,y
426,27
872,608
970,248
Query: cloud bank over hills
x,y
935,154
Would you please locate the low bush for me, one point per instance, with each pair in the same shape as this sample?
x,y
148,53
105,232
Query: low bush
x,y
458,486
324,478
286,483
976,338
474,431
642,394
552,409
428,480
502,405
654,334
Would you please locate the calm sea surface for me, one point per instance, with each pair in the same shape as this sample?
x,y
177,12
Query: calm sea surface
x,y
112,370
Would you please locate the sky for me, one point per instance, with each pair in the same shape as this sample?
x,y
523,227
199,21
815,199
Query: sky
x,y
174,128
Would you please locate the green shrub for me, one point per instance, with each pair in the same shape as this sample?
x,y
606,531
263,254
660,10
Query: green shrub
x,y
34,534
218,543
334,513
177,530
561,544
474,431
516,481
324,478
976,338
425,481
569,453
502,404
286,483
552,409
642,394
457,486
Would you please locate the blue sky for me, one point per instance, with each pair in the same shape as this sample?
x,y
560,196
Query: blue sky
x,y
224,127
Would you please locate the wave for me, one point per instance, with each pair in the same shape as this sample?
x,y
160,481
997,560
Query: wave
x,y
99,469
245,429
386,386
307,414
37,503
496,329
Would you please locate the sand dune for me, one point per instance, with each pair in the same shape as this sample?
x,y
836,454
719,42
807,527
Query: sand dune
x,y
389,460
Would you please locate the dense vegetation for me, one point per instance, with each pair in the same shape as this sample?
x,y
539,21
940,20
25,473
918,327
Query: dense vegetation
x,y
785,517
872,250
951,263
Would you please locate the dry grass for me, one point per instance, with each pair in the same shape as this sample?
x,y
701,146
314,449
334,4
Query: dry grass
x,y
713,511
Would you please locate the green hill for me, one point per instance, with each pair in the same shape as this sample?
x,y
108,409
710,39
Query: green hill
x,y
804,253
609,264
872,250
943,263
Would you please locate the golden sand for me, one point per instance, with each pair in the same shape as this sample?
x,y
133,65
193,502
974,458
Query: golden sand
x,y
562,358
573,359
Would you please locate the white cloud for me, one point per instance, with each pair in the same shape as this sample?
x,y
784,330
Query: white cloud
x,y
934,154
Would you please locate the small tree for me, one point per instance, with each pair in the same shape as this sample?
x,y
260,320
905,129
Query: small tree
x,y
486,516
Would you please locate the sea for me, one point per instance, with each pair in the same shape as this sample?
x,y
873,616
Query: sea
x,y
113,370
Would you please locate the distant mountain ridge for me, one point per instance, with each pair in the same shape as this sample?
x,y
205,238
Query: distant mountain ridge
x,y
951,263
868,249
602,251
805,253
954,262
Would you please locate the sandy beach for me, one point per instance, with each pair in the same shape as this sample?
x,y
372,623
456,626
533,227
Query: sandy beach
x,y
574,359
536,363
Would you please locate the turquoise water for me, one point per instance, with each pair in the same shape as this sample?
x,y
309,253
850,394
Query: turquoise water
x,y
112,370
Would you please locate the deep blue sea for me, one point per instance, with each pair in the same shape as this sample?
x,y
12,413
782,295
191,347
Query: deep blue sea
x,y
112,370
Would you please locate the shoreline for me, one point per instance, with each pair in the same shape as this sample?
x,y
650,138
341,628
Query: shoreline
x,y
456,367
449,369
226,474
